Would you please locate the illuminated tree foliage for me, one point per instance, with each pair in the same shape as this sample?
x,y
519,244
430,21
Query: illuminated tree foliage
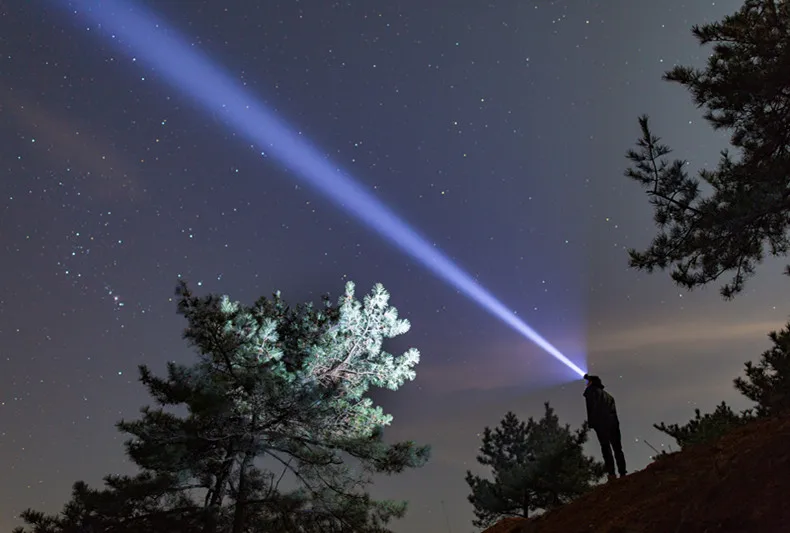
x,y
725,220
278,398
536,465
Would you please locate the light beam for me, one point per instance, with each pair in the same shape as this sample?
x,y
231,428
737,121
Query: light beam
x,y
142,35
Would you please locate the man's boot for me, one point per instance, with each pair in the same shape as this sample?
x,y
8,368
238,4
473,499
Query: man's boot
x,y
610,478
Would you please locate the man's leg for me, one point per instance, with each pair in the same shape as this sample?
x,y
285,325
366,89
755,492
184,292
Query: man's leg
x,y
617,444
606,450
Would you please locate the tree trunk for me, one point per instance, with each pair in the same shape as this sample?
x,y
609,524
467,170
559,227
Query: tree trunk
x,y
241,498
526,504
243,488
217,493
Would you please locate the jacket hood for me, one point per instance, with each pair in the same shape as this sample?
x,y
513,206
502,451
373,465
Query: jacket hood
x,y
594,381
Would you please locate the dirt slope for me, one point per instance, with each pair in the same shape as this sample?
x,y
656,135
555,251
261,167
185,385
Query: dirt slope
x,y
739,484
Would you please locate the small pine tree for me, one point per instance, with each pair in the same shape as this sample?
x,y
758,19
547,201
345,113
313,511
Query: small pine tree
x,y
138,504
273,383
707,427
537,465
744,89
768,382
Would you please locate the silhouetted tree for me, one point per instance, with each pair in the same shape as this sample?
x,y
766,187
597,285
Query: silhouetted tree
x,y
536,465
707,427
743,209
274,386
139,504
768,382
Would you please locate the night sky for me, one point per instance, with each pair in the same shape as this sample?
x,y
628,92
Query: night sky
x,y
497,130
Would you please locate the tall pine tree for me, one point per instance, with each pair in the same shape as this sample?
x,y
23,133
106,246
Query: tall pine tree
x,y
536,465
725,220
277,392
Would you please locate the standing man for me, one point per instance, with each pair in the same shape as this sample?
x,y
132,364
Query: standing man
x,y
602,418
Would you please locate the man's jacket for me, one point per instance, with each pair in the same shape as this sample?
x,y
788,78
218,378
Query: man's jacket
x,y
601,410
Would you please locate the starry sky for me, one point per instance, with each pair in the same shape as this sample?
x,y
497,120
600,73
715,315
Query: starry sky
x,y
497,129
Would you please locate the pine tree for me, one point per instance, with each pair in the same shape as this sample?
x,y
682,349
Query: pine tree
x,y
139,504
707,427
274,386
535,464
768,382
745,89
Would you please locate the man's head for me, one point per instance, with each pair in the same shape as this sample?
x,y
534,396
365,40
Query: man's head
x,y
594,381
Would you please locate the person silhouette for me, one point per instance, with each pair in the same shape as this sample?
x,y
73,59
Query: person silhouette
x,y
602,418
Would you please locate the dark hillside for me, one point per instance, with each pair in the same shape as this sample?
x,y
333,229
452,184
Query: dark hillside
x,y
740,483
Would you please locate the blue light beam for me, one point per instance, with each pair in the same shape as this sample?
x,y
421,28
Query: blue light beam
x,y
141,33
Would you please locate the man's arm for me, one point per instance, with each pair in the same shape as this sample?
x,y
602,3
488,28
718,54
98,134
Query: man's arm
x,y
590,409
613,407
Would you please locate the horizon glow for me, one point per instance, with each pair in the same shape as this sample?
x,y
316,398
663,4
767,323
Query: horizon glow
x,y
141,35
